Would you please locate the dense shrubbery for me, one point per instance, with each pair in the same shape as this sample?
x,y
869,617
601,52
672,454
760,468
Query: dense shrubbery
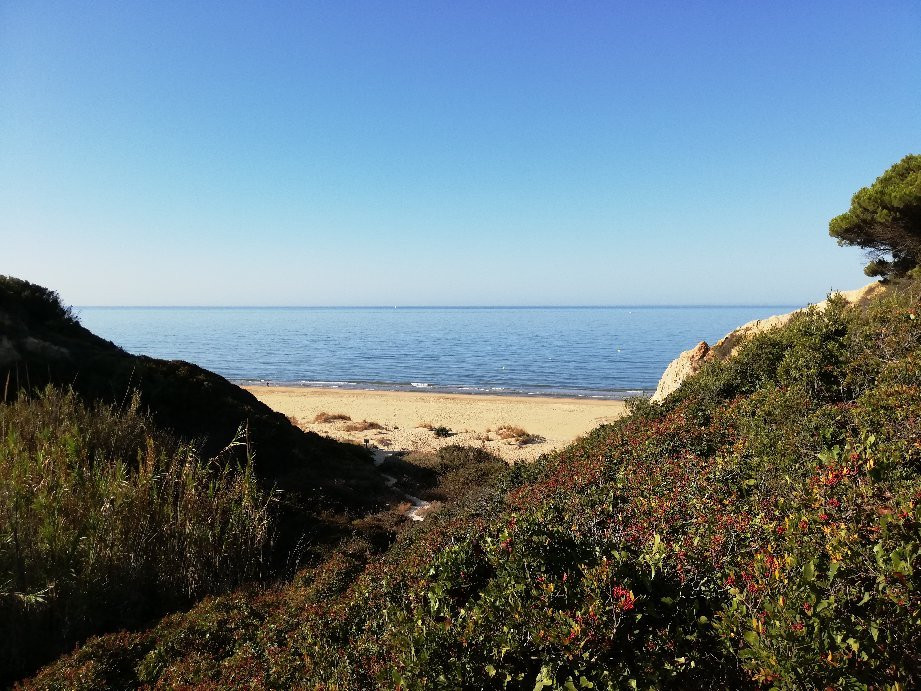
x,y
760,528
37,303
106,521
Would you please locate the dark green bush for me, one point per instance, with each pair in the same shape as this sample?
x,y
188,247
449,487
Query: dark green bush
x,y
39,305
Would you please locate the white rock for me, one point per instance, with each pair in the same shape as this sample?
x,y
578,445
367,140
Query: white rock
x,y
690,361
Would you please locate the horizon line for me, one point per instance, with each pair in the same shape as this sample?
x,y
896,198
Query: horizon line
x,y
453,307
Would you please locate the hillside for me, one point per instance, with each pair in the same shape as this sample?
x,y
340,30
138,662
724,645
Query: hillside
x,y
152,484
759,528
690,361
41,342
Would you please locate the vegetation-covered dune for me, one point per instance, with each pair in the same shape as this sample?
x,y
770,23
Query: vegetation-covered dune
x,y
41,342
761,527
131,486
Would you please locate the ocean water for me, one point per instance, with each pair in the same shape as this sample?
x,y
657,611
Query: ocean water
x,y
603,352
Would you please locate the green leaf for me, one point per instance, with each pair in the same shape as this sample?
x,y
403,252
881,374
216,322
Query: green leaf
x,y
855,646
809,571
543,678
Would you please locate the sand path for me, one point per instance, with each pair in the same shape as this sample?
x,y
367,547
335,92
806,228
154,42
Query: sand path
x,y
419,507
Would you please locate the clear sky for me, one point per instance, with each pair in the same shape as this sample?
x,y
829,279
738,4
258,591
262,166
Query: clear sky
x,y
419,153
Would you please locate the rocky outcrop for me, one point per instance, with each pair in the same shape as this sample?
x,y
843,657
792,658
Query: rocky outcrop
x,y
690,361
680,369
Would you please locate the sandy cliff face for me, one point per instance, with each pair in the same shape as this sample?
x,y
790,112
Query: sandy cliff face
x,y
680,369
690,361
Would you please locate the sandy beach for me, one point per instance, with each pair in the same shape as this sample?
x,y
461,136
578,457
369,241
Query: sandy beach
x,y
407,420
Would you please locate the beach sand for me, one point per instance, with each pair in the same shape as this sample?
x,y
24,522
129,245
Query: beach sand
x,y
472,419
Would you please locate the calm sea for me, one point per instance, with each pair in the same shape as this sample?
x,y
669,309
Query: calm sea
x,y
605,352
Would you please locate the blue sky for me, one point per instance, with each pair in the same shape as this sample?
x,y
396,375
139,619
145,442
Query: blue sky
x,y
177,153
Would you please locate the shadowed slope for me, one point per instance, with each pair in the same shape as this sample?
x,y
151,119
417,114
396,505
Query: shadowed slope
x,y
41,342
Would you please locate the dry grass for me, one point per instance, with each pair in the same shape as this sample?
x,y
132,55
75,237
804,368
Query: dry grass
x,y
433,507
331,417
362,426
517,435
511,432
427,424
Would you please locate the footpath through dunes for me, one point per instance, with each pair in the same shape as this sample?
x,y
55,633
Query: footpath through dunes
x,y
515,428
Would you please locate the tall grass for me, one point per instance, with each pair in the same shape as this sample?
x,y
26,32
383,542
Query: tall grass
x,y
106,521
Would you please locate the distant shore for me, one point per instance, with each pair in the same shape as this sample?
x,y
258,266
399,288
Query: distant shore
x,y
407,420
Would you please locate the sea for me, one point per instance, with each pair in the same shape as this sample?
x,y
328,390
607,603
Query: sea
x,y
590,352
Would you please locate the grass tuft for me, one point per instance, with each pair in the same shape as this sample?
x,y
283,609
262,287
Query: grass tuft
x,y
517,435
331,417
362,426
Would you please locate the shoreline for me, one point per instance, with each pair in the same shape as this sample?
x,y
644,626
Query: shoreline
x,y
448,390
405,420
